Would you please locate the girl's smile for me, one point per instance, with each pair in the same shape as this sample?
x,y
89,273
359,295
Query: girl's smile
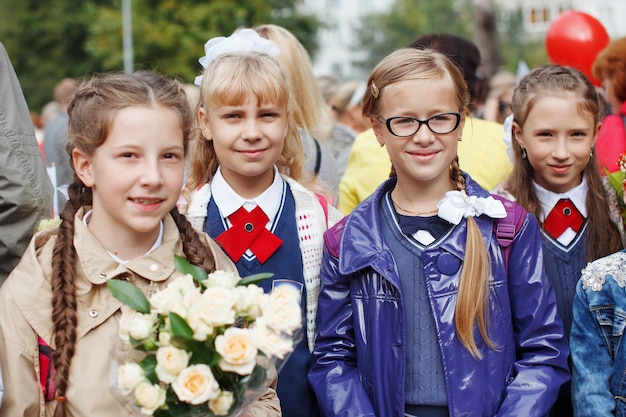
x,y
136,175
558,138
248,140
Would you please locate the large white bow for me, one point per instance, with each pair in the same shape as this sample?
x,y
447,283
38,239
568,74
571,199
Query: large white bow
x,y
457,204
244,40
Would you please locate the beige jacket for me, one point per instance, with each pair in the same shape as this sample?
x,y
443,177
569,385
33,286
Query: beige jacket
x,y
25,311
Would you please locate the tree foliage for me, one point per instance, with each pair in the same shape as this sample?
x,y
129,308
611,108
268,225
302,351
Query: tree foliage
x,y
380,33
47,41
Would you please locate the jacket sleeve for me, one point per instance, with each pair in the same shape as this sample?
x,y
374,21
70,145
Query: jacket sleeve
x,y
25,188
333,374
541,347
20,363
591,361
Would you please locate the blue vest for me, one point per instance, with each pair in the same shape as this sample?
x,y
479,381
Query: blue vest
x,y
296,396
563,265
424,375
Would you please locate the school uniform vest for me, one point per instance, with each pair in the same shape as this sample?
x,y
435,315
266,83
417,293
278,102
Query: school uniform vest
x,y
563,265
294,392
424,374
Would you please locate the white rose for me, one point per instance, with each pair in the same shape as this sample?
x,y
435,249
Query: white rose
x,y
168,300
184,285
270,342
201,330
129,376
170,361
222,279
196,385
136,325
215,306
282,309
174,297
250,298
222,403
149,397
237,349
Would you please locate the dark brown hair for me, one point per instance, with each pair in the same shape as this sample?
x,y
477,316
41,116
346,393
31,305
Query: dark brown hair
x,y
602,236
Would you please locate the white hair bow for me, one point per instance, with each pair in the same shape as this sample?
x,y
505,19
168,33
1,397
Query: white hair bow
x,y
244,40
457,204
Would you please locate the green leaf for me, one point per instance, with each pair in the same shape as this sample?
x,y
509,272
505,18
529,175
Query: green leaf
x,y
129,294
185,267
180,328
616,179
253,279
148,364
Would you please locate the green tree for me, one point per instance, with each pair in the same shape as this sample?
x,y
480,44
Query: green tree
x,y
74,38
518,46
380,33
44,42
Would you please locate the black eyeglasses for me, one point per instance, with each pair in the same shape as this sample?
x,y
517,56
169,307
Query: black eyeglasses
x,y
404,126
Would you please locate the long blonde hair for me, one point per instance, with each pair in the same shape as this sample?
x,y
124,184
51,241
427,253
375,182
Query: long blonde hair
x,y
427,64
310,109
228,81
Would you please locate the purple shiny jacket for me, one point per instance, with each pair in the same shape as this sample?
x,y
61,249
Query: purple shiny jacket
x,y
358,365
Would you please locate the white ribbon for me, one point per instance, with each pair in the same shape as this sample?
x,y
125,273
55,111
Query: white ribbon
x,y
457,204
244,40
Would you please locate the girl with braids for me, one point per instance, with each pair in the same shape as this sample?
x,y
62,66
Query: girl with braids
x,y
556,120
418,313
128,137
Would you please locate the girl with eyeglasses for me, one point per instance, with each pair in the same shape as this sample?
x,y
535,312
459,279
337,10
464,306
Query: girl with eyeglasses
x,y
419,314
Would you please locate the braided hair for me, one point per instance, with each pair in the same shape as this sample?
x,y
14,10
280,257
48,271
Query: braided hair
x,y
428,64
92,110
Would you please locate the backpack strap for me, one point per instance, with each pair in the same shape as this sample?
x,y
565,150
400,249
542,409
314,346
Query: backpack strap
x,y
507,228
332,237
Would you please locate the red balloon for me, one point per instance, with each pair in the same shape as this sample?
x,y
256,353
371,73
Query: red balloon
x,y
575,39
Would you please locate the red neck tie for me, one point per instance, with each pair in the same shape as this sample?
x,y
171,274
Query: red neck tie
x,y
563,215
248,232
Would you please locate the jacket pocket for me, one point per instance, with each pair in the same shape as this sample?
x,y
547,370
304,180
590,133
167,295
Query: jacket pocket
x,y
612,324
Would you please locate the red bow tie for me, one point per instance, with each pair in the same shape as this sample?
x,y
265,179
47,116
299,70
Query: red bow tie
x,y
563,215
248,232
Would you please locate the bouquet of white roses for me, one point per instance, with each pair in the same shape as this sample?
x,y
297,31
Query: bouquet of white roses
x,y
211,341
